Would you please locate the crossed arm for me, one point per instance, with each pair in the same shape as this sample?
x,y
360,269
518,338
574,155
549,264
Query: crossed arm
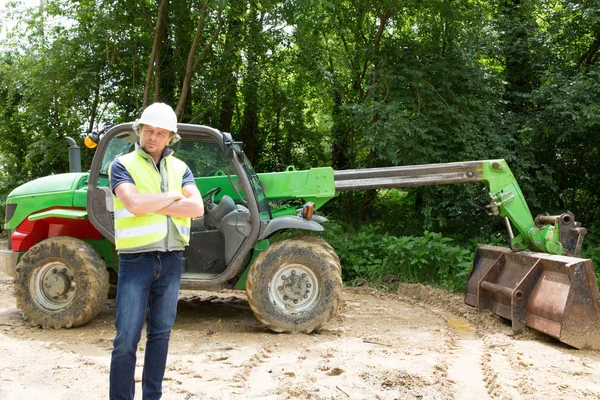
x,y
187,204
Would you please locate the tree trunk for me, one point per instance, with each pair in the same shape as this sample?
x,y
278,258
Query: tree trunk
x,y
277,127
590,55
383,19
94,110
230,64
516,24
194,59
153,63
252,83
340,130
185,85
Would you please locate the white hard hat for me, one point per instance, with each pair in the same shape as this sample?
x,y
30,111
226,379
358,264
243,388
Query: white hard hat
x,y
158,115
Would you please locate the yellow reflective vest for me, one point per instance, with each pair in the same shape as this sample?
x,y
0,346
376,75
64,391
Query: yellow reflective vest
x,y
133,231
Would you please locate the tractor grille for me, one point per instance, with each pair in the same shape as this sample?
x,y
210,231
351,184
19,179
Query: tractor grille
x,y
10,211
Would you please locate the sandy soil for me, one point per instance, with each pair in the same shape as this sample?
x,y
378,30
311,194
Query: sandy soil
x,y
419,343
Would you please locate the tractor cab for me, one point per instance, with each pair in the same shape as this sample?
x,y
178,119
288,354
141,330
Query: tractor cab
x,y
234,200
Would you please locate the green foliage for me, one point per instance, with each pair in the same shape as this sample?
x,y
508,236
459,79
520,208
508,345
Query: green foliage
x,y
348,84
370,255
591,248
566,129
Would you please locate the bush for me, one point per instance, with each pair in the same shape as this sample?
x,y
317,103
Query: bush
x,y
378,257
372,255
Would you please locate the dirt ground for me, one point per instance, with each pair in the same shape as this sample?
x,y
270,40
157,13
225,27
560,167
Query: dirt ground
x,y
418,343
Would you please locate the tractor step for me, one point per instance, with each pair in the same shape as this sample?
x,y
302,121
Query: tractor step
x,y
556,295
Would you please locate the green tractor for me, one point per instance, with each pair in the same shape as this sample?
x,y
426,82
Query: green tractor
x,y
61,241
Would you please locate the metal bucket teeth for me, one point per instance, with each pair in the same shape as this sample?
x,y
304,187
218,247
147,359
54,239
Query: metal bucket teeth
x,y
557,295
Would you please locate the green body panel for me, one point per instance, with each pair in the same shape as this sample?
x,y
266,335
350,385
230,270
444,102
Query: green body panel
x,y
315,185
107,251
79,198
502,184
43,193
49,184
258,248
62,190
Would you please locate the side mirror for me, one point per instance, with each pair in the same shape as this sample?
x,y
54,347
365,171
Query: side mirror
x,y
228,144
237,147
232,147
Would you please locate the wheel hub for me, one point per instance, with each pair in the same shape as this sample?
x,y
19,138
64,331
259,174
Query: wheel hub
x,y
294,288
55,285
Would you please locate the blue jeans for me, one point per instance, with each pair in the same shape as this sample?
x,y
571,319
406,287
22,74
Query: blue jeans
x,y
148,288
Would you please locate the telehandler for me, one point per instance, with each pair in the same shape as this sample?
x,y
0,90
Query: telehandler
x,y
62,256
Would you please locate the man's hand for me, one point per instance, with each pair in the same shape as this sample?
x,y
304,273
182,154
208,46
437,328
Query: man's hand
x,y
190,206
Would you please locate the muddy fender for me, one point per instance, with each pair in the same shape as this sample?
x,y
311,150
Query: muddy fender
x,y
290,222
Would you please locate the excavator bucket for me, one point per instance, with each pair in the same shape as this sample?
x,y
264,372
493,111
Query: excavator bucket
x,y
556,295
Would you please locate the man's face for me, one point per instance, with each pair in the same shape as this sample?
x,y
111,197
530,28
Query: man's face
x,y
153,140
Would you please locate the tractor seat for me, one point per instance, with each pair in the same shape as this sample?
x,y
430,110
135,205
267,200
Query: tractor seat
x,y
215,214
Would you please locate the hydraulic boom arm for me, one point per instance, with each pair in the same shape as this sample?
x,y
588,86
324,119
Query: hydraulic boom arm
x,y
549,234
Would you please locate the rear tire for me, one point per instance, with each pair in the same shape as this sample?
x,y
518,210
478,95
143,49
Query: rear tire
x,y
294,286
61,282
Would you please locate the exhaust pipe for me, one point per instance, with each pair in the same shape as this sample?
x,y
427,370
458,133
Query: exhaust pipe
x,y
74,155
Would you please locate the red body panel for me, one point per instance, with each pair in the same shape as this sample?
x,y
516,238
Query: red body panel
x,y
28,233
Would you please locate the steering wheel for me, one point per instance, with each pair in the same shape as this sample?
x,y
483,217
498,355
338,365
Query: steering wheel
x,y
209,197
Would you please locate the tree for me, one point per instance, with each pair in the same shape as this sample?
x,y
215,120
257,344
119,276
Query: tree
x,y
348,84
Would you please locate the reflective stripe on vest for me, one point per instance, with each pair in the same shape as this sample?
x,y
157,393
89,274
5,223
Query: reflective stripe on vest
x,y
132,230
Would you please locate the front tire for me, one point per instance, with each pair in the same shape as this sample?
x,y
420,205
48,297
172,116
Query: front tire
x,y
61,282
294,286
323,243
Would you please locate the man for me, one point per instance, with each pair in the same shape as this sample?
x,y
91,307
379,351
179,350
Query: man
x,y
155,199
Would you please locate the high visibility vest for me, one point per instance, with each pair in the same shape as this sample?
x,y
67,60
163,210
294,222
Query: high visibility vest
x,y
133,231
